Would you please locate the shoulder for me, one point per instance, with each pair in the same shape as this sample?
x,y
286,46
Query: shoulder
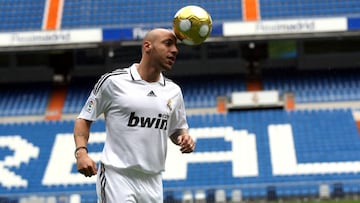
x,y
171,85
117,74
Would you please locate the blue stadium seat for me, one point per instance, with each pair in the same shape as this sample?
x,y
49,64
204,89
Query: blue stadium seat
x,y
294,9
23,100
28,16
315,86
21,15
128,14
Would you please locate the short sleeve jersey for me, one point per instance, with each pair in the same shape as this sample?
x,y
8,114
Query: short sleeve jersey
x,y
139,117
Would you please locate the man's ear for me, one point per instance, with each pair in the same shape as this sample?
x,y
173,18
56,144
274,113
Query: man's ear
x,y
147,45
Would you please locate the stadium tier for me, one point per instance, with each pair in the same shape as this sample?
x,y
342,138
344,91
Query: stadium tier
x,y
22,15
199,92
129,13
280,9
250,151
24,100
315,86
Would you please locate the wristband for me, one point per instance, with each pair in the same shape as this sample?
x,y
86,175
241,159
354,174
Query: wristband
x,y
77,149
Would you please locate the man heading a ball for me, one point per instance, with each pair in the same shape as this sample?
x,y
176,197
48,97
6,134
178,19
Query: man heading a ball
x,y
142,109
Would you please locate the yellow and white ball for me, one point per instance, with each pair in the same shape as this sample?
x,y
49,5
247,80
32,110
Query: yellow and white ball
x,y
192,25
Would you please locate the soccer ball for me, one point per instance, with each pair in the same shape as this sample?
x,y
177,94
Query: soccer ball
x,y
192,25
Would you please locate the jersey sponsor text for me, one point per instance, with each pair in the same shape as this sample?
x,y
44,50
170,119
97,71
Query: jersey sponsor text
x,y
147,122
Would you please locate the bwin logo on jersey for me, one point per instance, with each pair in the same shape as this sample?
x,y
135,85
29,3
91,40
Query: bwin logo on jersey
x,y
147,122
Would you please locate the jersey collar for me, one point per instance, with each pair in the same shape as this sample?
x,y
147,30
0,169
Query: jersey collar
x,y
136,76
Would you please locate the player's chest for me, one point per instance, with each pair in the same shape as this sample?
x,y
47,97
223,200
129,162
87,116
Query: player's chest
x,y
138,97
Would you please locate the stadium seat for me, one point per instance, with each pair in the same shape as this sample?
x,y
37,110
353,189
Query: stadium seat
x,y
21,15
187,197
200,196
220,196
236,196
324,191
51,199
75,198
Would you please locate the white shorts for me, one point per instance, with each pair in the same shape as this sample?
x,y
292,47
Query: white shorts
x,y
127,185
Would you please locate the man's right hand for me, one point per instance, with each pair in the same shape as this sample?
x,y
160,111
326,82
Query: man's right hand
x,y
85,165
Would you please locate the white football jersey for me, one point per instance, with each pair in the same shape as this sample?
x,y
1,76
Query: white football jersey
x,y
139,117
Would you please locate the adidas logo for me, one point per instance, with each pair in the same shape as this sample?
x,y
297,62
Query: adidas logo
x,y
151,94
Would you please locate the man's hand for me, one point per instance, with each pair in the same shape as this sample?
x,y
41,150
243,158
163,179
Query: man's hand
x,y
186,143
85,165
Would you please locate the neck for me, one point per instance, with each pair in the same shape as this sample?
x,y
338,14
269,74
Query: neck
x,y
148,73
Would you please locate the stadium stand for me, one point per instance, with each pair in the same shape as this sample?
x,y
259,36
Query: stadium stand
x,y
303,9
77,93
24,100
321,138
21,15
201,92
24,16
316,86
121,13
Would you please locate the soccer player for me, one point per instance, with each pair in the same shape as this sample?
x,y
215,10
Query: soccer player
x,y
142,109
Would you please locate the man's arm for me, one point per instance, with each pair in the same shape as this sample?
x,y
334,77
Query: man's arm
x,y
85,164
81,132
182,138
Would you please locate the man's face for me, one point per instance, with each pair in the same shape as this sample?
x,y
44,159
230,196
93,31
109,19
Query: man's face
x,y
164,51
